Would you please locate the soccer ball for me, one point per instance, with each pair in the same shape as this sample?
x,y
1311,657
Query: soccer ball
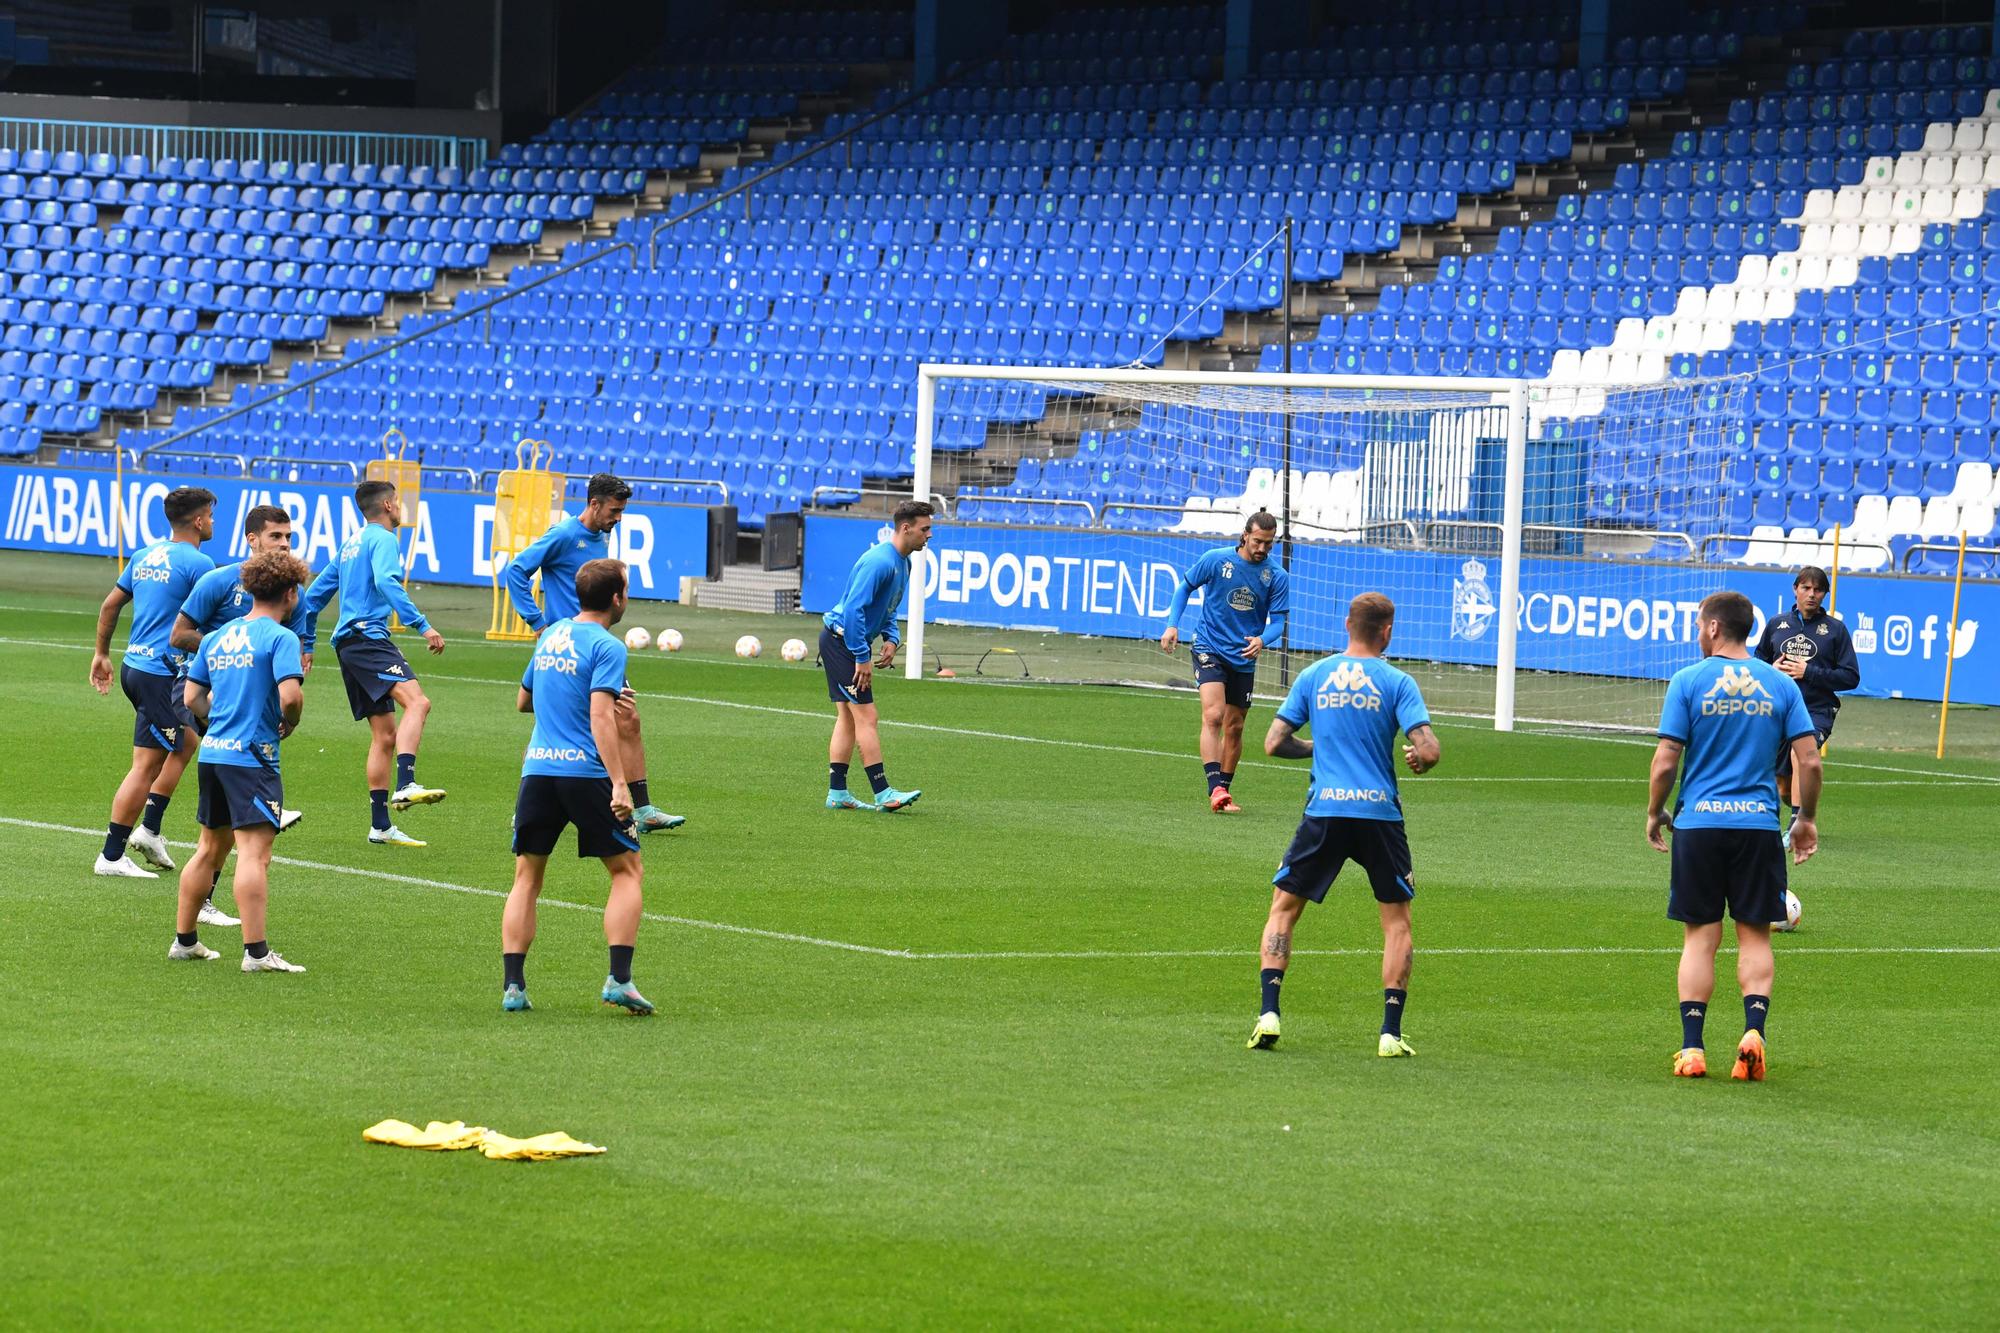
x,y
670,641
1792,913
638,638
748,646
794,650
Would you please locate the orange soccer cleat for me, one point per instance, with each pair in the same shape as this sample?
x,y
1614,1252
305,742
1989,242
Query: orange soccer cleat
x,y
1222,803
1750,1058
1690,1062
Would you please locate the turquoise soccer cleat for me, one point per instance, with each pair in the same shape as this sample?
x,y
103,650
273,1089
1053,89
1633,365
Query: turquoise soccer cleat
x,y
652,819
624,995
891,799
845,800
515,1000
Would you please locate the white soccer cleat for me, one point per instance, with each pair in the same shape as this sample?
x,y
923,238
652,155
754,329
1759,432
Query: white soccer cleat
x,y
415,793
122,868
151,846
270,962
211,915
288,818
394,837
195,953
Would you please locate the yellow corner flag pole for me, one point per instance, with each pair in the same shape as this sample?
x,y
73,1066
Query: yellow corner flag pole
x,y
1951,644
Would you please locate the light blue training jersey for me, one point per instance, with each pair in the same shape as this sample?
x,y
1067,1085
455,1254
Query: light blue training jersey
x,y
875,589
1735,716
1355,707
1244,600
573,660
367,576
220,597
242,664
158,580
558,553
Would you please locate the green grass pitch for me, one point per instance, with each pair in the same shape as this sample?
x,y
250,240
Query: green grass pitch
x,y
981,1064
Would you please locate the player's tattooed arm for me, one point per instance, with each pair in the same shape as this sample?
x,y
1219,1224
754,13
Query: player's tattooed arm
x,y
1423,752
1281,742
107,620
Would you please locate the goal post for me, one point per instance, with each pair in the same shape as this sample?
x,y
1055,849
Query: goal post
x,y
1543,541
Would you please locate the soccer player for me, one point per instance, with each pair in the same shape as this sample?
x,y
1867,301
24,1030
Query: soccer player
x,y
1243,610
368,577
1355,704
574,773
156,582
1815,651
1725,721
219,597
244,686
875,588
557,555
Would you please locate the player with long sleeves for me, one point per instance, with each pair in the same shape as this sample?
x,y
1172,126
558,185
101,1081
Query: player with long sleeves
x,y
1814,649
1725,721
1243,611
367,576
1355,704
557,555
155,583
866,611
573,774
244,685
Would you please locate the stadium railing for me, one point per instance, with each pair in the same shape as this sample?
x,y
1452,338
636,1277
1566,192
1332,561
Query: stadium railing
x,y
155,142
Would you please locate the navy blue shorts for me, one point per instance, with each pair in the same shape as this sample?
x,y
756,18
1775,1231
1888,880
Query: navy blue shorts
x,y
1325,843
1742,869
547,805
1822,729
1237,682
839,666
235,796
372,669
159,708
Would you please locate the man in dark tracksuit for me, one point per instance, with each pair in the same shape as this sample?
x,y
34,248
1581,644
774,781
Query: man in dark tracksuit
x,y
1813,649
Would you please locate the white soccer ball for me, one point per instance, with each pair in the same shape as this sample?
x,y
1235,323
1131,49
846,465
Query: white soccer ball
x,y
794,650
748,646
638,638
670,641
1792,913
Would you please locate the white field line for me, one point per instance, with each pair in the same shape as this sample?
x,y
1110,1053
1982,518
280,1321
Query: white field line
x,y
1938,779
1028,955
419,882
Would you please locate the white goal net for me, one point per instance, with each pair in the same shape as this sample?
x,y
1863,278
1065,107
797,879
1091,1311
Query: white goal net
x,y
1545,545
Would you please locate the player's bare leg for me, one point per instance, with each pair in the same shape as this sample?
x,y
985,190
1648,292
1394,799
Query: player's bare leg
x,y
150,769
1697,987
1399,954
517,929
632,745
251,883
621,931
1232,753
1274,955
839,757
1755,971
408,735
211,849
1214,730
